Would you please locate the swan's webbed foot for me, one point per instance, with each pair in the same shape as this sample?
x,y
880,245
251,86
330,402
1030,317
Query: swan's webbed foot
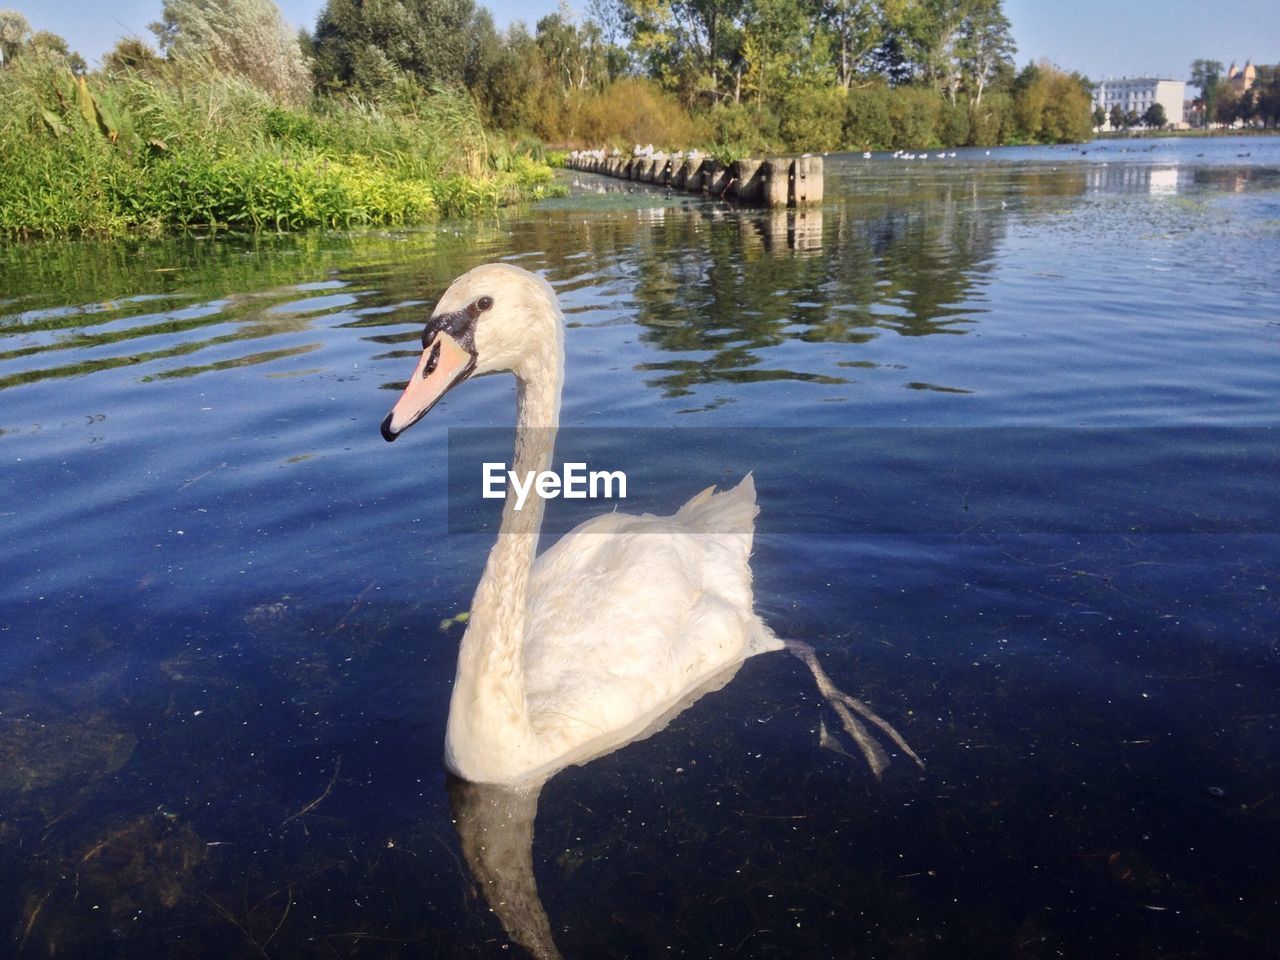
x,y
845,707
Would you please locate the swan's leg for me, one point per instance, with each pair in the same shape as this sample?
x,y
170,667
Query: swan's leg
x,y
843,704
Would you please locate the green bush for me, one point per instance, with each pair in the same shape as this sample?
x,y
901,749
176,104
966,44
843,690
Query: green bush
x,y
867,123
628,112
195,148
991,122
954,119
743,127
813,120
914,113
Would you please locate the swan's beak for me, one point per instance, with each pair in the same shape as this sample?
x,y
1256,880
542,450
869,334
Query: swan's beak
x,y
443,364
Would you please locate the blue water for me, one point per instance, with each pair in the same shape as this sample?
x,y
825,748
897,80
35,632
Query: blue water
x,y
224,672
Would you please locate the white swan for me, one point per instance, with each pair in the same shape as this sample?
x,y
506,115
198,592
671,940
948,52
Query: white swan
x,y
570,655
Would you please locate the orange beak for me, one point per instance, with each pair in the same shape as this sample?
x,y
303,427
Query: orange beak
x,y
443,364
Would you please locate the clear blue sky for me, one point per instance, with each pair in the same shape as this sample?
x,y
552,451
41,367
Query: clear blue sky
x,y
1100,38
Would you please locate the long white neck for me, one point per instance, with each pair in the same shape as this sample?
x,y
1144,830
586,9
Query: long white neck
x,y
490,738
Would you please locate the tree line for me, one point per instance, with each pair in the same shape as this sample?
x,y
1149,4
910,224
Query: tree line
x,y
733,75
802,74
744,74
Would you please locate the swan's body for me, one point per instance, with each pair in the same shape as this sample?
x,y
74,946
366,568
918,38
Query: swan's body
x,y
567,656
628,614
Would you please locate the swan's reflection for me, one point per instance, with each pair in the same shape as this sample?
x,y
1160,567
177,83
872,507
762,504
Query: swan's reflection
x,y
495,828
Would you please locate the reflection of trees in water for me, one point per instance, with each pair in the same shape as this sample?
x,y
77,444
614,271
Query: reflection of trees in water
x,y
712,288
722,287
69,307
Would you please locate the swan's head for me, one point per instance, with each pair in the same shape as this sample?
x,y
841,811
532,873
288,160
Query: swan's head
x,y
496,317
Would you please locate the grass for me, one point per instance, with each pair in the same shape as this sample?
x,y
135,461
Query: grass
x,y
194,148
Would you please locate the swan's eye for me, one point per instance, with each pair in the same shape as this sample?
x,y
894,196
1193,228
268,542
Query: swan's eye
x,y
432,361
484,303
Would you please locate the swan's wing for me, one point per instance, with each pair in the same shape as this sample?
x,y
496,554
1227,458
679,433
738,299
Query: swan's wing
x,y
733,511
628,613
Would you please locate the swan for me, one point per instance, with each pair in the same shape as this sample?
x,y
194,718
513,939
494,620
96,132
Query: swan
x,y
573,653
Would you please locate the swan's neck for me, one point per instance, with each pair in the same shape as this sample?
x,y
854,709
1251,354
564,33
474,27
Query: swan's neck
x,y
490,733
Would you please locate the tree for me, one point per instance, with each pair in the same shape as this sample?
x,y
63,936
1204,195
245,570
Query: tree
x,y
1206,74
245,37
131,53
1099,115
1117,117
781,54
16,39
576,56
983,48
362,46
1155,116
1266,96
684,43
609,17
1051,106
48,44
857,29
1226,104
15,31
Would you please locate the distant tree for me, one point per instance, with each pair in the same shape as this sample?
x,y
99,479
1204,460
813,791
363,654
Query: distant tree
x,y
983,48
1266,96
51,45
1050,106
1117,117
1099,115
575,55
1131,118
15,31
857,29
1205,74
248,38
132,53
1227,104
362,46
690,45
17,39
1155,116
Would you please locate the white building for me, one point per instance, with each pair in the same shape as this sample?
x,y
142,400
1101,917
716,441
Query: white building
x,y
1138,94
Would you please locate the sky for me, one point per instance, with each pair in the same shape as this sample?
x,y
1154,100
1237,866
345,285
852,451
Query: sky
x,y
1099,38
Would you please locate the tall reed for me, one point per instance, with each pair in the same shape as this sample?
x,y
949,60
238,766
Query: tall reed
x,y
194,147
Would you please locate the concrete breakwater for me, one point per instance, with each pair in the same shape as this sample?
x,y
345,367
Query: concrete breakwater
x,y
768,181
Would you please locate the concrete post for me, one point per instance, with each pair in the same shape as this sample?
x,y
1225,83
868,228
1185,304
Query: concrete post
x,y
679,174
807,187
693,182
777,186
660,169
750,174
715,177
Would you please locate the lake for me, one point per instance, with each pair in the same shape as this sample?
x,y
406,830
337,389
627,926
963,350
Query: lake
x,y
1013,419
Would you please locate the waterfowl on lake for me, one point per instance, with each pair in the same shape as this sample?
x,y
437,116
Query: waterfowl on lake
x,y
570,654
